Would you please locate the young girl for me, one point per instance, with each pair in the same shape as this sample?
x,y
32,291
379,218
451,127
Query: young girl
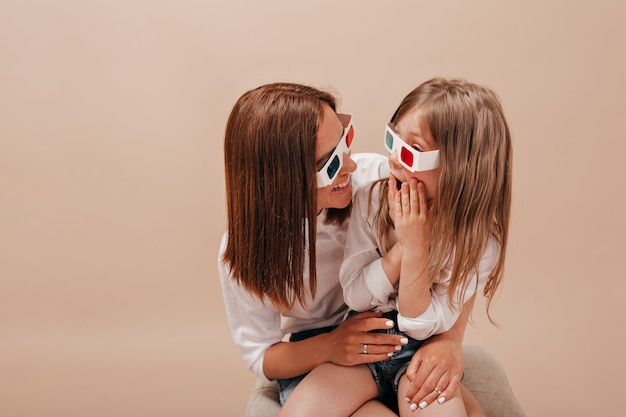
x,y
422,243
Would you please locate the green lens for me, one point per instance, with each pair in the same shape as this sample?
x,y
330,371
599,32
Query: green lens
x,y
389,141
333,168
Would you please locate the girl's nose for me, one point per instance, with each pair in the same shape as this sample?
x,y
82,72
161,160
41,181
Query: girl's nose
x,y
393,159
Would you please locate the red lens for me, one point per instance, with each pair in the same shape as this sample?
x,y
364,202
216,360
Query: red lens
x,y
406,156
350,136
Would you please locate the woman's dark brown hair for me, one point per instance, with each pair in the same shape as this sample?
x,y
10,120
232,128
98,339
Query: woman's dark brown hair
x,y
269,158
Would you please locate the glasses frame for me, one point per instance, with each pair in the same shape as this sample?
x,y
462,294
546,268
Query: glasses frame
x,y
422,160
324,179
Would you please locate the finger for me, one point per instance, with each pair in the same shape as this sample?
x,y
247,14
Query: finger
x,y
449,389
371,357
366,315
386,342
411,370
375,350
435,387
398,204
423,203
376,324
419,387
414,196
439,392
426,394
391,185
406,200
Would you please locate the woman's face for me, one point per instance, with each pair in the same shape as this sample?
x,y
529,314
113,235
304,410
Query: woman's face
x,y
339,193
414,131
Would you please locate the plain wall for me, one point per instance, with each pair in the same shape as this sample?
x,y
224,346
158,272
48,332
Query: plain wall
x,y
112,193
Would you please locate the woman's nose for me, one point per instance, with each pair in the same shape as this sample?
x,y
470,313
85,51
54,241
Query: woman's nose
x,y
348,163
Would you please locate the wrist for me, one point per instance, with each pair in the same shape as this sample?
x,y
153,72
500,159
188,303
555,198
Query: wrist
x,y
322,352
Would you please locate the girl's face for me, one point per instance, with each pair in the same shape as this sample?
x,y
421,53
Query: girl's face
x,y
339,193
414,131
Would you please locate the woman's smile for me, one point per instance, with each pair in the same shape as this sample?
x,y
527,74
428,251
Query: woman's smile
x,y
342,185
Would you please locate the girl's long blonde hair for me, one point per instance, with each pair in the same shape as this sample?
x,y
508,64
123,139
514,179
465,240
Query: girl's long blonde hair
x,y
473,201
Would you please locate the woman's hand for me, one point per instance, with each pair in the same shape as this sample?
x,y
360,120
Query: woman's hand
x,y
352,343
435,371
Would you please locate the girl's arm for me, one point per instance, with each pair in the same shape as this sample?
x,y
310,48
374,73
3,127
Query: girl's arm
x,y
363,271
440,315
424,310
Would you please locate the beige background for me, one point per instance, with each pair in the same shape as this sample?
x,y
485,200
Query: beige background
x,y
112,197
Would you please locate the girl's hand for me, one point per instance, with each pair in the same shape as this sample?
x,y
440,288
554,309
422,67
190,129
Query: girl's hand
x,y
411,217
392,189
347,342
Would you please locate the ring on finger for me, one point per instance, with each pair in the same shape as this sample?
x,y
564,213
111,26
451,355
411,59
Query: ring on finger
x,y
365,348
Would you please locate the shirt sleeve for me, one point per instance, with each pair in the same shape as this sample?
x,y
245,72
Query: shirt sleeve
x,y
365,285
440,316
254,325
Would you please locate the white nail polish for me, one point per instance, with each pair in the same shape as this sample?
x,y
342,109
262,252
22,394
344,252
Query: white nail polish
x,y
413,407
398,348
389,323
423,404
404,340
407,399
441,400
390,354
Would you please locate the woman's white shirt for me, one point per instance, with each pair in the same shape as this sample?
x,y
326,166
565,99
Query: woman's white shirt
x,y
366,286
256,325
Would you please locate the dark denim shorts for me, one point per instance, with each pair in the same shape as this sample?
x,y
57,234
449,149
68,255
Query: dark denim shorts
x,y
288,385
387,373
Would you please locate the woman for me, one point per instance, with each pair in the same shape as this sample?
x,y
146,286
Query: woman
x,y
289,183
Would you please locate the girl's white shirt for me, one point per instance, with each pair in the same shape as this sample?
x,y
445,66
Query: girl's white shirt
x,y
366,286
256,325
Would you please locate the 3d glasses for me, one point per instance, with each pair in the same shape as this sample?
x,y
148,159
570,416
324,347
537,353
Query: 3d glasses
x,y
409,157
327,174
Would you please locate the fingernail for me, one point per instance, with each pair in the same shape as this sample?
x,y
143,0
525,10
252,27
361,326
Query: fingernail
x,y
398,348
390,354
441,400
404,340
413,407
407,399
423,404
389,323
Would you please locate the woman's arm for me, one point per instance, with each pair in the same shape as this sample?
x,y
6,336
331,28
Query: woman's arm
x,y
438,363
342,346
